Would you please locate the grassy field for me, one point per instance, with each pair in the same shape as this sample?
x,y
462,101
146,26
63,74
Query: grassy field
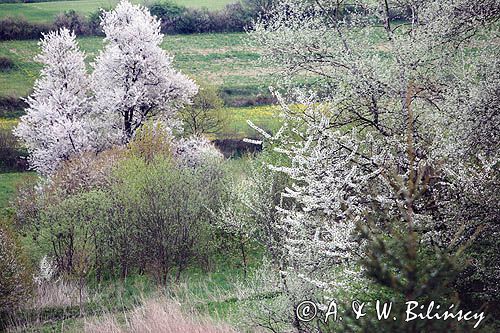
x,y
266,117
236,126
221,59
7,123
8,183
46,11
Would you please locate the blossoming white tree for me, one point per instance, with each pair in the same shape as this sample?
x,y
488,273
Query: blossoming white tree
x,y
395,111
54,127
133,79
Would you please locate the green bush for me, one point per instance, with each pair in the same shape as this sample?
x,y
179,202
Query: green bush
x,y
6,64
205,115
17,28
146,214
164,215
15,279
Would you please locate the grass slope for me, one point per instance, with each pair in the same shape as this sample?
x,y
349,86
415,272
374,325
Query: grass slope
x,y
221,59
46,11
8,183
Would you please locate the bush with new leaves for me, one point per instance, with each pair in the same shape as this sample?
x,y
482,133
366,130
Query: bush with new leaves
x,y
14,276
145,208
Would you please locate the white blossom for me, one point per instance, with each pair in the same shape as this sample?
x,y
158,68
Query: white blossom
x,y
396,109
195,151
133,78
46,271
55,127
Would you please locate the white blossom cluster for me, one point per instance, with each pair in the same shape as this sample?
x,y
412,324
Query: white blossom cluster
x,y
46,271
56,125
133,78
195,151
400,115
132,81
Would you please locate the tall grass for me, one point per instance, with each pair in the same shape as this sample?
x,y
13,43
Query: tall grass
x,y
156,315
60,293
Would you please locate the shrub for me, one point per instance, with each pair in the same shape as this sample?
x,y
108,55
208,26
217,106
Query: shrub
x,y
166,215
169,13
6,64
166,9
80,174
205,115
149,213
151,141
10,151
73,21
236,17
19,28
194,21
11,107
14,277
94,23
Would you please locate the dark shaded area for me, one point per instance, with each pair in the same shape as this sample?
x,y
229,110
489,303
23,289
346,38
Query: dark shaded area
x,y
12,107
243,97
6,64
233,148
12,155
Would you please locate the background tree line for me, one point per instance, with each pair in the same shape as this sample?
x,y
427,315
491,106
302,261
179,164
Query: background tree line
x,y
176,19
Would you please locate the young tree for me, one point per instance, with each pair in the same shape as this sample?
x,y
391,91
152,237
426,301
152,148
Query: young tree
x,y
133,78
54,127
205,115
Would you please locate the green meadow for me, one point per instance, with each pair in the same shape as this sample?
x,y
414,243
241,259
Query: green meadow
x,y
44,12
224,60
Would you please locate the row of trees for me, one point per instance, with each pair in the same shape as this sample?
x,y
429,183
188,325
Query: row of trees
x,y
176,19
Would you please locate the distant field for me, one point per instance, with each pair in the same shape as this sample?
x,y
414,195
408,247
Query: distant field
x,y
266,117
236,125
221,59
46,11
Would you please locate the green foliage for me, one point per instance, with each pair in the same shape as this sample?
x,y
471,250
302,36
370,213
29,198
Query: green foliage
x,y
15,280
148,215
44,12
397,261
206,114
67,228
166,9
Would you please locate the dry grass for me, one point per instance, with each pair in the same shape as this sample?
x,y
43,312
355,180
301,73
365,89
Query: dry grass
x,y
156,315
57,294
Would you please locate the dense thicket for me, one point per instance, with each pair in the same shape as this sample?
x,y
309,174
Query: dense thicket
x,y
15,279
145,209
